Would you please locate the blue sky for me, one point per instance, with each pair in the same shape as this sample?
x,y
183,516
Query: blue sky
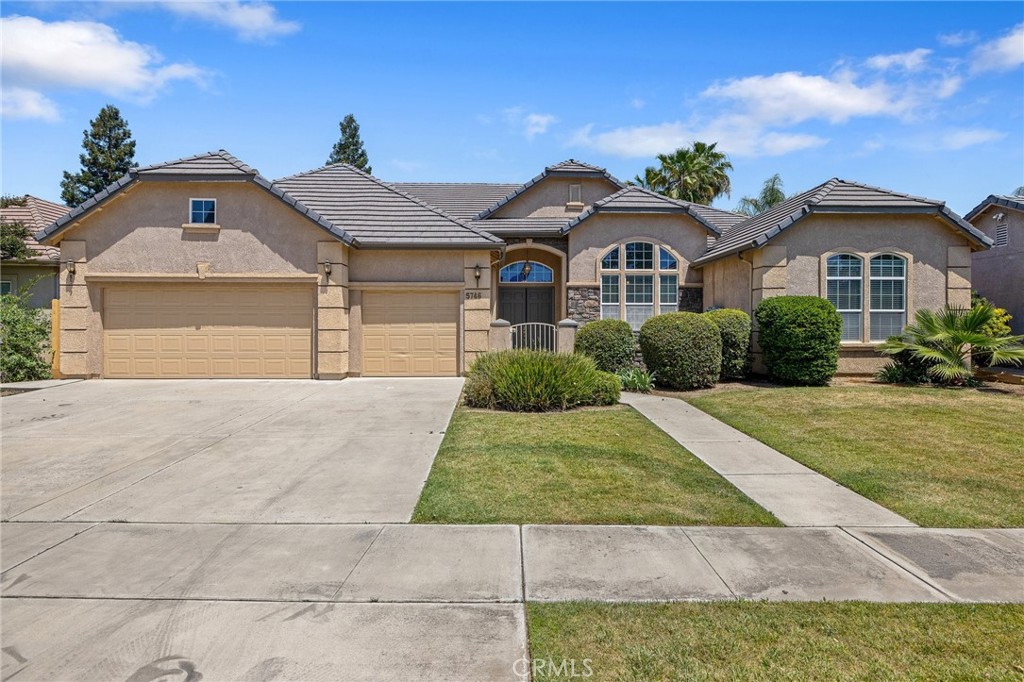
x,y
919,97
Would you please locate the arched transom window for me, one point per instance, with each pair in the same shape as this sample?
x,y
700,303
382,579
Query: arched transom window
x,y
526,272
638,280
887,275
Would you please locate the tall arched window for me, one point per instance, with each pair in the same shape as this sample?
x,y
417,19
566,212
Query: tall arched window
x,y
518,272
844,285
639,280
888,296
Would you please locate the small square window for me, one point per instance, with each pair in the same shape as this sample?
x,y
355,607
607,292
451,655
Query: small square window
x,y
6,287
575,194
204,212
639,256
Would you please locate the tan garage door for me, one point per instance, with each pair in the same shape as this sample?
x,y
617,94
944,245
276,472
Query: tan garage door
x,y
410,333
207,331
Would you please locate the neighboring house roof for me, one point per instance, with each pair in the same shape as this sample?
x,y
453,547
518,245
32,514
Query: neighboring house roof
x,y
218,165
460,199
568,168
379,214
833,196
1004,200
35,215
633,199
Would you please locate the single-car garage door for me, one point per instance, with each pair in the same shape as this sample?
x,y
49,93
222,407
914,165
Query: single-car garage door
x,y
408,333
177,331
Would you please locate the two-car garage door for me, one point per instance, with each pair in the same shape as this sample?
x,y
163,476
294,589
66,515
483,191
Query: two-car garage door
x,y
207,331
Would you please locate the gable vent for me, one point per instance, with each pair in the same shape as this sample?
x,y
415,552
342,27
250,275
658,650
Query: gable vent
x,y
1002,235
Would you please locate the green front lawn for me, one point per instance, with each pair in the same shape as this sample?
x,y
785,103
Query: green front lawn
x,y
591,466
939,457
779,641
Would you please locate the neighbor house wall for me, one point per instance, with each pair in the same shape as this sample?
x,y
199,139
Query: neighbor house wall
x,y
998,273
22,274
139,235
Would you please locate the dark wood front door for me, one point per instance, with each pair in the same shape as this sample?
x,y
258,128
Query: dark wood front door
x,y
519,304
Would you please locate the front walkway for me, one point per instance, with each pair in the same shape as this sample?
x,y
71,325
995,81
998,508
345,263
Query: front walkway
x,y
796,495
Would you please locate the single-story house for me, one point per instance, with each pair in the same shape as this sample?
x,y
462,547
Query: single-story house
x,y
201,267
39,271
999,272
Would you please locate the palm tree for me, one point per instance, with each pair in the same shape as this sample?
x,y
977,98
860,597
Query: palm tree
x,y
945,339
770,195
698,174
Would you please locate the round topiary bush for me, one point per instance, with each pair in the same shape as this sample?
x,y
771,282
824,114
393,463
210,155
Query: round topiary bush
x,y
799,336
538,381
683,350
734,326
610,343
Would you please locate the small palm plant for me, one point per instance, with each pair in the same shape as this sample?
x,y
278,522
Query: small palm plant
x,y
944,340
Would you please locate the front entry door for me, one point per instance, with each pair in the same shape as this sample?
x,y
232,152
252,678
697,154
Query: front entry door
x,y
519,304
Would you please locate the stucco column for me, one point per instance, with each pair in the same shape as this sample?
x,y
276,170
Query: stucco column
x,y
476,274
499,336
76,309
332,311
566,340
958,277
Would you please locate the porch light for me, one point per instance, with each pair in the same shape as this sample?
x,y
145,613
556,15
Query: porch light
x,y
526,269
327,267
476,273
71,266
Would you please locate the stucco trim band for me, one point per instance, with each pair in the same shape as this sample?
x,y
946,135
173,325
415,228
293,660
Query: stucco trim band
x,y
210,276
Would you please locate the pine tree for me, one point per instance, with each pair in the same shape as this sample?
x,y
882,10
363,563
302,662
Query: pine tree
x,y
349,148
109,155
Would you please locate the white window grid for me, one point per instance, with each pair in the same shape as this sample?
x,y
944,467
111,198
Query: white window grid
x,y
852,316
887,320
636,294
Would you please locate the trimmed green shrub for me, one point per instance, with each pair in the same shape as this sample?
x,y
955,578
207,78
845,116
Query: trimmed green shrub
x,y
610,343
684,350
734,326
799,336
998,326
24,339
538,381
636,380
904,368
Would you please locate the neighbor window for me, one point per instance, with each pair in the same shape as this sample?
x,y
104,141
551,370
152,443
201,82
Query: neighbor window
x,y
203,212
1002,235
6,287
888,296
638,280
575,194
844,286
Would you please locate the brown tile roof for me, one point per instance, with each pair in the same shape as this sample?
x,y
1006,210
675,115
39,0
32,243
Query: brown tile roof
x,y
35,215
633,199
833,196
1004,200
569,168
460,199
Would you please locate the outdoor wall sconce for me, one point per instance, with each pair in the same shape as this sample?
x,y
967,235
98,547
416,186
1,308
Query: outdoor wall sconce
x,y
71,267
526,270
327,267
476,273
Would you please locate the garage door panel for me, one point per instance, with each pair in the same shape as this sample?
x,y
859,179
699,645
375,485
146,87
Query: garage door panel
x,y
407,333
183,331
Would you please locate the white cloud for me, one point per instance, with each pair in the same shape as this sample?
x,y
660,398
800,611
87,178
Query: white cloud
x,y
256,20
961,139
637,103
914,60
530,124
792,97
958,39
80,55
23,103
1002,54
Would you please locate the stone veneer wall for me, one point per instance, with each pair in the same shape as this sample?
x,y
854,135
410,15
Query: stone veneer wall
x,y
584,304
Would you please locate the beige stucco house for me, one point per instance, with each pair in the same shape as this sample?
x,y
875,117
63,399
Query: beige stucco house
x,y
203,268
38,272
999,272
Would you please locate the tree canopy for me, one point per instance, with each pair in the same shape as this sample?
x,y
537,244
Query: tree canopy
x,y
698,174
109,155
771,194
349,147
12,241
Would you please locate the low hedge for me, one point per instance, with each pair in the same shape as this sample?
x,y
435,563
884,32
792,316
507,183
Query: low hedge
x,y
734,326
799,336
538,381
610,343
683,350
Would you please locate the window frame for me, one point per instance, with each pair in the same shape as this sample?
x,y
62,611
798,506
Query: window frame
x,y
848,278
622,276
191,212
9,283
533,268
887,278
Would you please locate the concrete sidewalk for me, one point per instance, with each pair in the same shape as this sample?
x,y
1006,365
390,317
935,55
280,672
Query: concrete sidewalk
x,y
796,495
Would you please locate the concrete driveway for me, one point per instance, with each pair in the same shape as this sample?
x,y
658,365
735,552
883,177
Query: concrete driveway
x,y
354,451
